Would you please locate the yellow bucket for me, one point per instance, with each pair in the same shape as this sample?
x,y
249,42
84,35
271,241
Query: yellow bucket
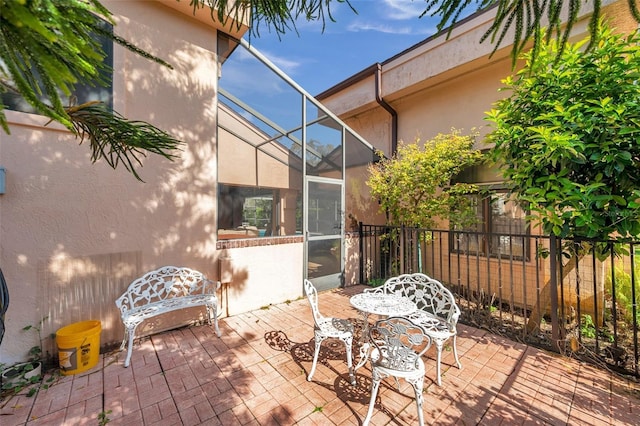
x,y
78,346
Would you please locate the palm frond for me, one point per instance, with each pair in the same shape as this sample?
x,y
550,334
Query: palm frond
x,y
526,16
279,16
46,48
118,140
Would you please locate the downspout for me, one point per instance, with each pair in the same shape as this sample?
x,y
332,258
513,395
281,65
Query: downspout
x,y
390,110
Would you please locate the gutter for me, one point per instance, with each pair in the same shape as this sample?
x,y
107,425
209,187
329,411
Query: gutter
x,y
376,70
386,106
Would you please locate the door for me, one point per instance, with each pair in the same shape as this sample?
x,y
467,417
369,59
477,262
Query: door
x,y
324,224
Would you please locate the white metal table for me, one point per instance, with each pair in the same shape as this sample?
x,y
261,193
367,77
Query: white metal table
x,y
382,304
388,305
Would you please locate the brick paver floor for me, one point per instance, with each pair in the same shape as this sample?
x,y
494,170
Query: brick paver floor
x,y
255,374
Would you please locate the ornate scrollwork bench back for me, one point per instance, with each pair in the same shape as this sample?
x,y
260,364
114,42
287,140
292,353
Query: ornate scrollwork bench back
x,y
164,290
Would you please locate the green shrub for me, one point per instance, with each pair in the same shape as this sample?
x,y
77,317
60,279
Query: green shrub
x,y
376,282
587,327
624,296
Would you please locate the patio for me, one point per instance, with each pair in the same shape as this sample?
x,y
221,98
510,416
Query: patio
x,y
255,374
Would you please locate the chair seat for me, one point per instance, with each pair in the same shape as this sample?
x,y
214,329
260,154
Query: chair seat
x,y
137,315
335,327
436,328
379,365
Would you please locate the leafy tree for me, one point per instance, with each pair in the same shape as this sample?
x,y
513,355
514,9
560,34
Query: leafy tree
x,y
568,138
415,186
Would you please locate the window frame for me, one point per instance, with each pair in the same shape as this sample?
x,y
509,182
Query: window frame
x,y
484,232
245,229
16,103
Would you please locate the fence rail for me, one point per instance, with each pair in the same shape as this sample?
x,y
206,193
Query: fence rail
x,y
575,297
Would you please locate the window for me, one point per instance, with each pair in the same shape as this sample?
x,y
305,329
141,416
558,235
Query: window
x,y
254,212
82,92
501,230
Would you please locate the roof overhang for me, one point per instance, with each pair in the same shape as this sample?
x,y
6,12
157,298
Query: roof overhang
x,y
203,14
441,57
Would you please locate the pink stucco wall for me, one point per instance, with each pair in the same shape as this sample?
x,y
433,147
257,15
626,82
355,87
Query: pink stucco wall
x,y
74,234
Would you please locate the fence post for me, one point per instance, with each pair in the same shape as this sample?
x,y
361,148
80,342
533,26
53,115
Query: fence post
x,y
553,284
361,247
402,243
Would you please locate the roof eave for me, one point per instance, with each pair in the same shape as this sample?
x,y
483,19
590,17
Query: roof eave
x,y
236,28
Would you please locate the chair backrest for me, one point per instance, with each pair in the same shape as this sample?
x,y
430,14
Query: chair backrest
x,y
400,343
428,294
312,295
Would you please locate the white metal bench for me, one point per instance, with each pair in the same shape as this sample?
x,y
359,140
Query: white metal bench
x,y
164,290
437,311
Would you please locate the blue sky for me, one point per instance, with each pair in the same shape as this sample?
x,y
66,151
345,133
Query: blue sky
x,y
318,61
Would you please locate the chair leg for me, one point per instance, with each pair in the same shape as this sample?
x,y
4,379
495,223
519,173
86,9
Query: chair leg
x,y
208,309
318,342
124,339
212,311
418,385
455,352
215,320
439,344
127,360
375,384
348,343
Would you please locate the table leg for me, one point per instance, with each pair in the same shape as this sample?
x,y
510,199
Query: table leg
x,y
364,341
364,337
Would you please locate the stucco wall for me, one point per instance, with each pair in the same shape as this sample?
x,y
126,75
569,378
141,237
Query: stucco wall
x,y
261,272
374,126
60,212
458,103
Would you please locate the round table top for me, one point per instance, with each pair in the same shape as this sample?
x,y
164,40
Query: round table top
x,y
383,304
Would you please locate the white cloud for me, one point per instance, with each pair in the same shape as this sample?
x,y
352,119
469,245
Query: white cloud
x,y
357,26
399,17
403,9
287,65
384,28
372,15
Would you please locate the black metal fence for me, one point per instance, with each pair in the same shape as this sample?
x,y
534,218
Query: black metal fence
x,y
575,297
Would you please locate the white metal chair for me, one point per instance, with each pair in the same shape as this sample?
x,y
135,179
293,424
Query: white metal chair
x,y
328,327
397,348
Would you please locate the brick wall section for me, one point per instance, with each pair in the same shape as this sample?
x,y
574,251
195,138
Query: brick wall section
x,y
257,242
